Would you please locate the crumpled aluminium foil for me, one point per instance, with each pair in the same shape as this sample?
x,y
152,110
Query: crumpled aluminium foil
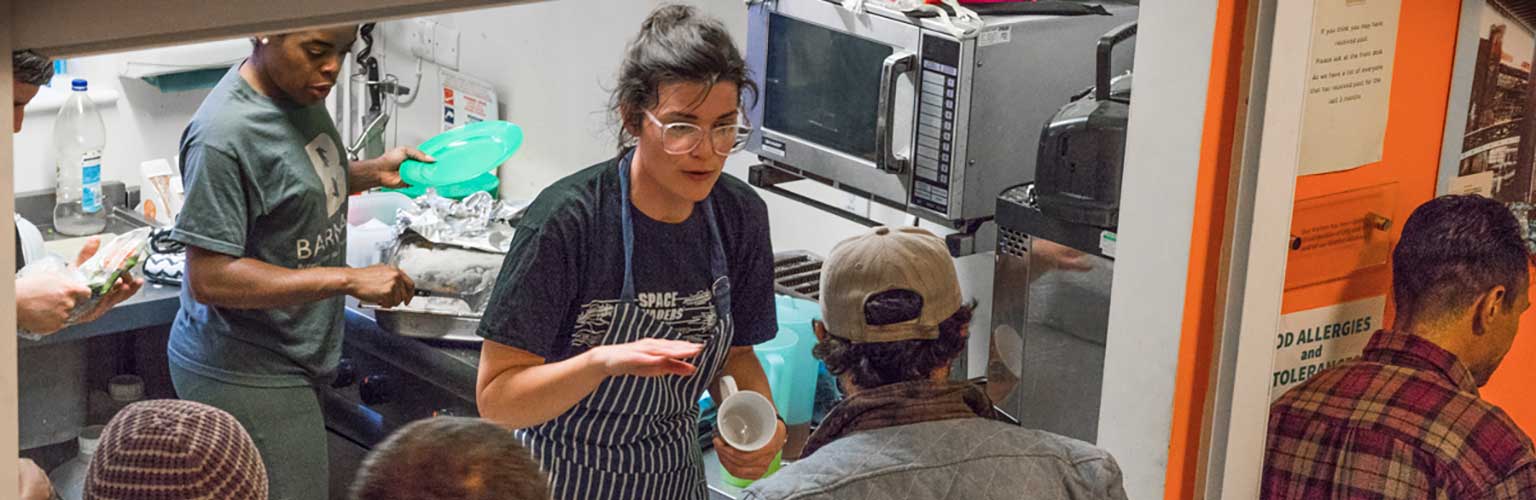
x,y
478,222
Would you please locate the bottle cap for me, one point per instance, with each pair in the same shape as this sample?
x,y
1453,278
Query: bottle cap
x,y
126,388
90,437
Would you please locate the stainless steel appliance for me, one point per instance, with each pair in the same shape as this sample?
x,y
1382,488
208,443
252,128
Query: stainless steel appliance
x,y
902,111
1049,324
1055,262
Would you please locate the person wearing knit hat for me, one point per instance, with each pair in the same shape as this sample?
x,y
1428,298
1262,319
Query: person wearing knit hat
x,y
175,450
894,322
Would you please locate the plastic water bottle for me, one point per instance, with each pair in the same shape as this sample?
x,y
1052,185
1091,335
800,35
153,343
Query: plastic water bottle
x,y
69,479
79,138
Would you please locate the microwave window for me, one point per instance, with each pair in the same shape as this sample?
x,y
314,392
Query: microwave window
x,y
823,86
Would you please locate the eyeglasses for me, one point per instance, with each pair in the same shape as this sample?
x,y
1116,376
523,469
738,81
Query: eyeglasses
x,y
680,138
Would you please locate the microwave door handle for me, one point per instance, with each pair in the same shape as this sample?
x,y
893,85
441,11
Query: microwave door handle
x,y
886,159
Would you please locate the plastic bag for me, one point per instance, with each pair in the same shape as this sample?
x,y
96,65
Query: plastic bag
x,y
114,259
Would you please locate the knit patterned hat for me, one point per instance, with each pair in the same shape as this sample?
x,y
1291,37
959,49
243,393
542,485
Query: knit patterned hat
x,y
175,450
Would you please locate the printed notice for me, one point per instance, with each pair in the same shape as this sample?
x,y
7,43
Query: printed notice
x,y
1349,84
995,36
1481,183
1340,234
1317,339
466,100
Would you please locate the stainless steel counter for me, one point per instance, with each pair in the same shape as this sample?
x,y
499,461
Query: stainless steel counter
x,y
154,305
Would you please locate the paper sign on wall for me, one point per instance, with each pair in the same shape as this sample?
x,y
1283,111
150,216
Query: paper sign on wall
x,y
466,100
1349,84
1480,183
1316,339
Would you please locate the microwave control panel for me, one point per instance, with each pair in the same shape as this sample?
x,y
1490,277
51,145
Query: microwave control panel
x,y
931,165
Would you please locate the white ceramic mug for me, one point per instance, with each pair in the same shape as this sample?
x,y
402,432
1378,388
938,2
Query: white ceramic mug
x,y
746,419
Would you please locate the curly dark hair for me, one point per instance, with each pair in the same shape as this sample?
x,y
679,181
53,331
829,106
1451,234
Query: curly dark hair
x,y
1453,249
676,44
870,365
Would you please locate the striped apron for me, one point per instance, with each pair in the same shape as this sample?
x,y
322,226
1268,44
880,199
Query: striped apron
x,y
636,438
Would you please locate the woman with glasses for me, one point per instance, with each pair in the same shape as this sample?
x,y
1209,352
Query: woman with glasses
x,y
634,285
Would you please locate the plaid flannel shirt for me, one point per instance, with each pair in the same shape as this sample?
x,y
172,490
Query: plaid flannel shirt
x,y
1402,422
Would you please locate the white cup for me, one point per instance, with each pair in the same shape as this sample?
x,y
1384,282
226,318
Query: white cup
x,y
746,418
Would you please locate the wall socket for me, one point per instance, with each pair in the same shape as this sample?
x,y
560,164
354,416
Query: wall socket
x,y
423,43
445,41
434,42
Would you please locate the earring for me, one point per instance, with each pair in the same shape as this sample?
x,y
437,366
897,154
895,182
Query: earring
x,y
264,40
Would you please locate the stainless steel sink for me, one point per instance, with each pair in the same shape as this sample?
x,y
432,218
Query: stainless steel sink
x,y
119,221
37,207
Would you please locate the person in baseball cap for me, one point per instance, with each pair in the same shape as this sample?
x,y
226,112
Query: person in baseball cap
x,y
895,320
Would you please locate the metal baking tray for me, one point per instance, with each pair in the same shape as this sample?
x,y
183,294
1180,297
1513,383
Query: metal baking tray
x,y
427,325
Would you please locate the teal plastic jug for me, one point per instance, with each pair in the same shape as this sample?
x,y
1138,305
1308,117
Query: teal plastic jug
x,y
788,362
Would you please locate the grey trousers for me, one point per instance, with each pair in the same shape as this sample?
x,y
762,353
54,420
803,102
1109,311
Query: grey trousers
x,y
285,422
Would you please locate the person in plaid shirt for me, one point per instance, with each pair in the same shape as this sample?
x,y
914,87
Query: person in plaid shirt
x,y
1405,421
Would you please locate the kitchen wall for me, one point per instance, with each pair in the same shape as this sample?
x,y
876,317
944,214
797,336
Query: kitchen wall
x,y
552,65
142,124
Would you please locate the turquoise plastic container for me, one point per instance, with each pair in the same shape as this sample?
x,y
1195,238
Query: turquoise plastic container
x,y
788,362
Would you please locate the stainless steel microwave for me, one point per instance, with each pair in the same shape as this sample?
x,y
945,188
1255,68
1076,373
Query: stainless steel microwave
x,y
901,110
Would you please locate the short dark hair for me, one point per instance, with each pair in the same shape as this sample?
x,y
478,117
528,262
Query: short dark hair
x,y
30,68
676,44
870,365
1454,248
444,458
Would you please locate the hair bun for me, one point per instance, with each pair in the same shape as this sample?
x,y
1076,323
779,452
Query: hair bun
x,y
667,17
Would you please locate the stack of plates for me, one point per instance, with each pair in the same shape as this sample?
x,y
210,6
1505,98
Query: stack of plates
x,y
467,158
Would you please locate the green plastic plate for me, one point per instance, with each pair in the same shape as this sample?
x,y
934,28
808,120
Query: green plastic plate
x,y
485,182
463,154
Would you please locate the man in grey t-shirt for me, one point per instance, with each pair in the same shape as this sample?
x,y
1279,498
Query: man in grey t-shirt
x,y
264,219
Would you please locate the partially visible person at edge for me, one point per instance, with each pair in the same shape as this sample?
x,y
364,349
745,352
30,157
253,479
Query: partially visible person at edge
x,y
894,324
1405,420
43,302
450,458
265,224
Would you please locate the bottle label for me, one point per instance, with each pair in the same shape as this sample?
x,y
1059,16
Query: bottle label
x,y
90,182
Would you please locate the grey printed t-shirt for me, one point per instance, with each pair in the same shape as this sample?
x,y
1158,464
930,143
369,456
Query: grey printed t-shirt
x,y
265,180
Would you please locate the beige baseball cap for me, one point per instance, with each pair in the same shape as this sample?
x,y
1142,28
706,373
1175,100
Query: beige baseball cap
x,y
881,260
